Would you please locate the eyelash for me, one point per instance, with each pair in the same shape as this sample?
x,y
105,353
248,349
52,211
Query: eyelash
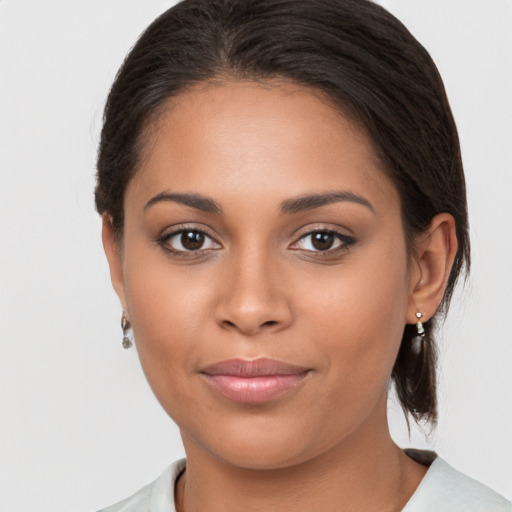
x,y
345,242
163,241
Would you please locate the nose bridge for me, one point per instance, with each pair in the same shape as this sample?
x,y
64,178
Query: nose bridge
x,y
253,298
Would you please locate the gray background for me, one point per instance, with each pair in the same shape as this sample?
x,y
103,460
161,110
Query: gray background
x,y
79,428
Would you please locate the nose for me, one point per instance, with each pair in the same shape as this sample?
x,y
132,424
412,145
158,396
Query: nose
x,y
254,297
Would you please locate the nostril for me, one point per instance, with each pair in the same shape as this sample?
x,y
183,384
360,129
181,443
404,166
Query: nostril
x,y
228,324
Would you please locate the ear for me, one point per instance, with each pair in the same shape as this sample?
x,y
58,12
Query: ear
x,y
434,254
114,258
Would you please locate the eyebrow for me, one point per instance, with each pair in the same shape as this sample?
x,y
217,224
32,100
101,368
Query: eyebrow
x,y
290,206
197,201
312,201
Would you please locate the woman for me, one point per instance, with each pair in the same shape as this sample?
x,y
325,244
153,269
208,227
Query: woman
x,y
284,217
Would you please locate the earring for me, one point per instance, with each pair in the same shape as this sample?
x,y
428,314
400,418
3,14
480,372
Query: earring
x,y
419,325
125,325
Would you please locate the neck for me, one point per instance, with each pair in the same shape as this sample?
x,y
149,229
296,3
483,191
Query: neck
x,y
366,472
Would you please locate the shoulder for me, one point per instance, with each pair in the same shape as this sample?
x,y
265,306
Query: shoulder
x,y
156,496
444,489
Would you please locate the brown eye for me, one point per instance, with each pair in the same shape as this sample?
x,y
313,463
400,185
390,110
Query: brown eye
x,y
192,240
326,240
188,240
322,241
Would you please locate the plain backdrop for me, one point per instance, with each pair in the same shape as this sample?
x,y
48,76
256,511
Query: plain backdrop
x,y
79,427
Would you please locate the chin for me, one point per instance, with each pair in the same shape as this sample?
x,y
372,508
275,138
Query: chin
x,y
261,444
257,457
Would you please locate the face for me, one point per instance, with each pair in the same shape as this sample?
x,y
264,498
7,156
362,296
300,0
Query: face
x,y
265,274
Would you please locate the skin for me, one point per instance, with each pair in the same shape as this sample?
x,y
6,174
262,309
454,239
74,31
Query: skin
x,y
258,287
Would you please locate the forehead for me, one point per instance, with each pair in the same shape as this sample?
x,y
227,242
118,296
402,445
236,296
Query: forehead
x,y
272,138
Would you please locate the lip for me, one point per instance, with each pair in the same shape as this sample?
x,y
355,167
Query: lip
x,y
253,381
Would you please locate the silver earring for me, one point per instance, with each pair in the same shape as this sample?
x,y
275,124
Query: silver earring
x,y
419,325
125,325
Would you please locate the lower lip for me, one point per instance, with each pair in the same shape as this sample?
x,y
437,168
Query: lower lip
x,y
253,389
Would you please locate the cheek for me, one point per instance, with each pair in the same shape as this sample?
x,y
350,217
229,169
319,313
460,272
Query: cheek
x,y
359,318
161,308
168,311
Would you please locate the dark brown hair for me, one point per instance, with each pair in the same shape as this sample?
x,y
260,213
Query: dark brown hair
x,y
361,58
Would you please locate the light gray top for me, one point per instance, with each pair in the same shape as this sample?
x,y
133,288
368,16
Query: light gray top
x,y
443,489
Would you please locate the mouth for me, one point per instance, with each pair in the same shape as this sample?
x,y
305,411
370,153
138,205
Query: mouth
x,y
253,381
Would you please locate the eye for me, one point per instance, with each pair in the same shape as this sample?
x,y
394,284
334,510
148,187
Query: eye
x,y
188,240
323,241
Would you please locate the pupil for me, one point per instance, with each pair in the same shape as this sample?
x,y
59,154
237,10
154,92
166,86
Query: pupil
x,y
192,240
323,241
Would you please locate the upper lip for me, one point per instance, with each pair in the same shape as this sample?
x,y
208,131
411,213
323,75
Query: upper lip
x,y
253,368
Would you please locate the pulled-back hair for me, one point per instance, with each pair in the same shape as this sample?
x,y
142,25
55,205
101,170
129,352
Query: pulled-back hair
x,y
362,59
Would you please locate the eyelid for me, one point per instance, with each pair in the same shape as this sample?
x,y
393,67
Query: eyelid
x,y
177,230
346,240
